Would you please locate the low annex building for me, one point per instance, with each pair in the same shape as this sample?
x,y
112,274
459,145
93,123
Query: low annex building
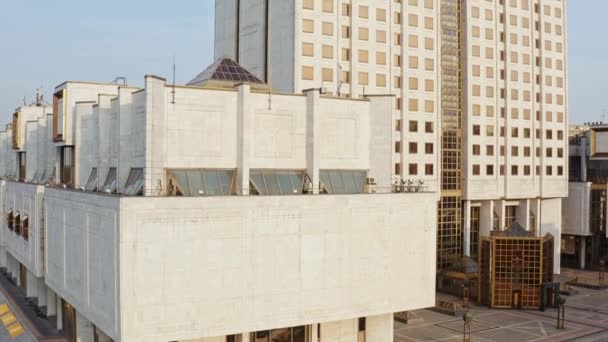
x,y
217,211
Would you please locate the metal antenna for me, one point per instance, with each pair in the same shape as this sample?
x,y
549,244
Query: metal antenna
x,y
173,91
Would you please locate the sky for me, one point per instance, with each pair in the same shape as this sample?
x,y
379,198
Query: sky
x,y
43,43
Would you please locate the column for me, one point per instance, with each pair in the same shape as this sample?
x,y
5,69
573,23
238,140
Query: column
x,y
51,300
382,144
314,333
155,137
501,210
523,214
244,132
84,329
312,137
32,285
583,243
486,218
466,229
42,295
59,314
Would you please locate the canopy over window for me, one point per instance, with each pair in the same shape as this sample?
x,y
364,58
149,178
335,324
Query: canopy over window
x,y
201,182
343,182
276,182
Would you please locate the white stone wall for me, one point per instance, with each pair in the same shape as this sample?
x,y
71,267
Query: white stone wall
x,y
79,92
27,200
199,267
30,146
82,254
87,140
577,209
201,128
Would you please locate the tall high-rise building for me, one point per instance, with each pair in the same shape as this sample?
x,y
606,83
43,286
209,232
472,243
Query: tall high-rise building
x,y
481,87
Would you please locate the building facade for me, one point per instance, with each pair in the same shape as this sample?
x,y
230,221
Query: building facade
x,y
218,211
584,237
481,109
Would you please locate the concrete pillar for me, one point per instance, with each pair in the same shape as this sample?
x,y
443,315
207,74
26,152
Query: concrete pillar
x,y
59,314
42,294
583,154
32,285
382,142
379,328
312,137
466,229
244,135
155,137
51,300
244,337
486,218
84,329
535,207
502,213
125,138
314,333
582,252
523,213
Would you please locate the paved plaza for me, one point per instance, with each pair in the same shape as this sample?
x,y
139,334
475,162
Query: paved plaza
x,y
586,320
12,325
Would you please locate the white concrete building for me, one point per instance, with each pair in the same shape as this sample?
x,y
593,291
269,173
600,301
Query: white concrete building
x,y
584,237
490,107
220,211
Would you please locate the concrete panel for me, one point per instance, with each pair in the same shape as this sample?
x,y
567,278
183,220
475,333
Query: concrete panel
x,y
202,267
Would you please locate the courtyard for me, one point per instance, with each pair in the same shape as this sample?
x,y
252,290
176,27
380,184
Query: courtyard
x,y
586,320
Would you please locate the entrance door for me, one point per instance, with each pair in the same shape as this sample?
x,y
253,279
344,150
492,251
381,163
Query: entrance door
x,y
68,315
23,277
516,299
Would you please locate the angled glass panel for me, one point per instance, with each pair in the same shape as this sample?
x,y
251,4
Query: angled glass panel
x,y
337,182
92,182
226,181
196,183
360,178
326,181
256,178
285,184
42,176
109,186
36,176
212,181
134,183
178,181
349,181
272,183
51,175
297,178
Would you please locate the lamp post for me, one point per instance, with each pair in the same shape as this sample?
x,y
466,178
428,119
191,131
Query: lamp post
x,y
467,319
602,269
561,312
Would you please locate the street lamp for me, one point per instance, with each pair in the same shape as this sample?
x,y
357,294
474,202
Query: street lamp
x,y
468,319
561,312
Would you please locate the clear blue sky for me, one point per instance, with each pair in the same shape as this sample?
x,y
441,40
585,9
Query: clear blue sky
x,y
48,42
